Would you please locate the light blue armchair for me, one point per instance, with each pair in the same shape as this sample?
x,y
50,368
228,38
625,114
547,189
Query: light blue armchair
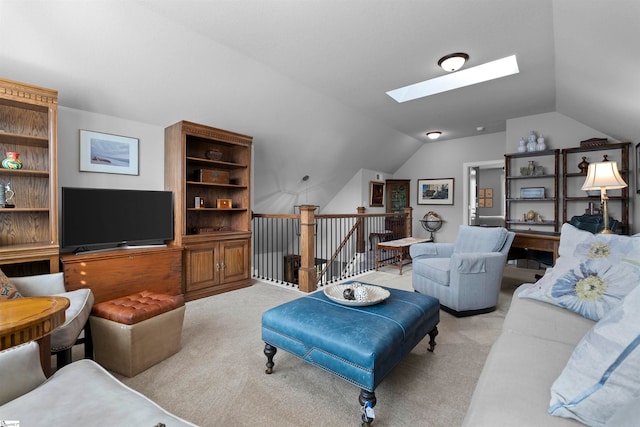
x,y
466,275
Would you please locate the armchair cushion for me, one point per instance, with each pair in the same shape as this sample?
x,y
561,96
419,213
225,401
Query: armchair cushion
x,y
436,269
7,289
480,239
20,371
40,285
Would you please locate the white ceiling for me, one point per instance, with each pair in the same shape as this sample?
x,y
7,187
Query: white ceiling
x,y
307,78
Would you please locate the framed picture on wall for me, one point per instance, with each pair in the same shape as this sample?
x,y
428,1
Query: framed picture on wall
x,y
103,152
435,191
376,194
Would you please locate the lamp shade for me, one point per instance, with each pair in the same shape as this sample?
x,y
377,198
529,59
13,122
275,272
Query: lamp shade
x,y
603,175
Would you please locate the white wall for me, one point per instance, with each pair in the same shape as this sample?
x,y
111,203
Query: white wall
x,y
444,159
355,194
151,151
559,131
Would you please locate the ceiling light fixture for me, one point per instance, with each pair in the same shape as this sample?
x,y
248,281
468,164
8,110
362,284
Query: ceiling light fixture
x,y
453,62
434,134
478,74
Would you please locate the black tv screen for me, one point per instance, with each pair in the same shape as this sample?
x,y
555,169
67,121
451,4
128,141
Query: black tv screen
x,y
93,218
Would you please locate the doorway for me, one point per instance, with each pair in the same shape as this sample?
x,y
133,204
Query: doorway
x,y
483,193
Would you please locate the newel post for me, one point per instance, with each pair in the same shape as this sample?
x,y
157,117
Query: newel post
x,y
307,272
360,247
409,221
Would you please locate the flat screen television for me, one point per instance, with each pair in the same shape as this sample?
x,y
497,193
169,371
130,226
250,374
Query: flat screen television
x,y
95,218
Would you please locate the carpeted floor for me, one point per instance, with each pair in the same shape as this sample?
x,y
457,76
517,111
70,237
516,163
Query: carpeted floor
x,y
218,377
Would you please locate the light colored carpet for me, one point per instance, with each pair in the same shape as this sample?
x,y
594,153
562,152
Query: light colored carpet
x,y
218,378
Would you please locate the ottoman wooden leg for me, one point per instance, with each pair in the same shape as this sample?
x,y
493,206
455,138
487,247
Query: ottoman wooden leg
x,y
269,351
368,400
432,339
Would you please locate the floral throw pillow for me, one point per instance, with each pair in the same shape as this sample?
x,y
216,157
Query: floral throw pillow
x,y
7,289
593,273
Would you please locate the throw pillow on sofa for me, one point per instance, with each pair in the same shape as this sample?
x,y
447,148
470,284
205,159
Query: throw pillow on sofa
x,y
7,289
601,377
593,273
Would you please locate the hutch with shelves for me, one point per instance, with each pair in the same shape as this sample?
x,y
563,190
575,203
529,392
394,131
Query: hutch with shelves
x,y
532,185
575,201
397,195
29,231
209,171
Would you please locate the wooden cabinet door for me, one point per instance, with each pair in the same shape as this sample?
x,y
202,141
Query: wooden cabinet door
x,y
234,260
200,266
397,194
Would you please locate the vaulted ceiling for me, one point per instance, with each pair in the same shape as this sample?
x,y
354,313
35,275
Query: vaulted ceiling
x,y
307,78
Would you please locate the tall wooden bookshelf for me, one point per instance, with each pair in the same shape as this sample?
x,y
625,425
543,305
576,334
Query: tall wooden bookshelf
x,y
29,231
215,234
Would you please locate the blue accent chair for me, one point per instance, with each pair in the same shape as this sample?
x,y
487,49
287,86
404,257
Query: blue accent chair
x,y
466,275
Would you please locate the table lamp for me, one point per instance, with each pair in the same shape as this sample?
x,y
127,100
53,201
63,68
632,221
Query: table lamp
x,y
604,176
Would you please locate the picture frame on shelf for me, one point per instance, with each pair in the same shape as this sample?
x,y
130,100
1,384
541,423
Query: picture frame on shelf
x,y
376,194
107,153
435,191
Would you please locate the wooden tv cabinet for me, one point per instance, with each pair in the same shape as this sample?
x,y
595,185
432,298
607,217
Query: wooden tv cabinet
x,y
118,273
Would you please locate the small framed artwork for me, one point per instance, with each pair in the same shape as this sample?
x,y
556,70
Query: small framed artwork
x,y
485,198
435,191
376,194
103,152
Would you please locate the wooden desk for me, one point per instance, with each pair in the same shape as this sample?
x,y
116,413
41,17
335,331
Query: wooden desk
x,y
538,241
401,247
32,319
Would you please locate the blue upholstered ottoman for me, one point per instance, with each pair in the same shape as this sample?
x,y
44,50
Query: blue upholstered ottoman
x,y
359,344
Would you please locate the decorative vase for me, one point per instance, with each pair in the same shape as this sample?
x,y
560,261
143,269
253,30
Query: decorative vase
x,y
532,145
522,145
541,145
12,161
531,168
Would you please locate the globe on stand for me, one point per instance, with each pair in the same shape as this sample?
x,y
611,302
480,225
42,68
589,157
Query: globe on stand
x,y
431,222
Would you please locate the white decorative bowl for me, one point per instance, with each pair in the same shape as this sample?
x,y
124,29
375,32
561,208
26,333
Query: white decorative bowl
x,y
375,294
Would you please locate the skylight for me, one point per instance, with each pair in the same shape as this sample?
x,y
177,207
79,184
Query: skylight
x,y
470,76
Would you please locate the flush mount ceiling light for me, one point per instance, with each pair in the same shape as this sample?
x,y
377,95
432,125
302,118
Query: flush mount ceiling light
x,y
434,134
453,62
478,74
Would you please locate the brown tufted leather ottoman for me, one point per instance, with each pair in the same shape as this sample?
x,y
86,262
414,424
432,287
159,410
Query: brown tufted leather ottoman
x,y
133,333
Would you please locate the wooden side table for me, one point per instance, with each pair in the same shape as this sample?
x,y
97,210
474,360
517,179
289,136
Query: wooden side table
x,y
401,249
32,319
